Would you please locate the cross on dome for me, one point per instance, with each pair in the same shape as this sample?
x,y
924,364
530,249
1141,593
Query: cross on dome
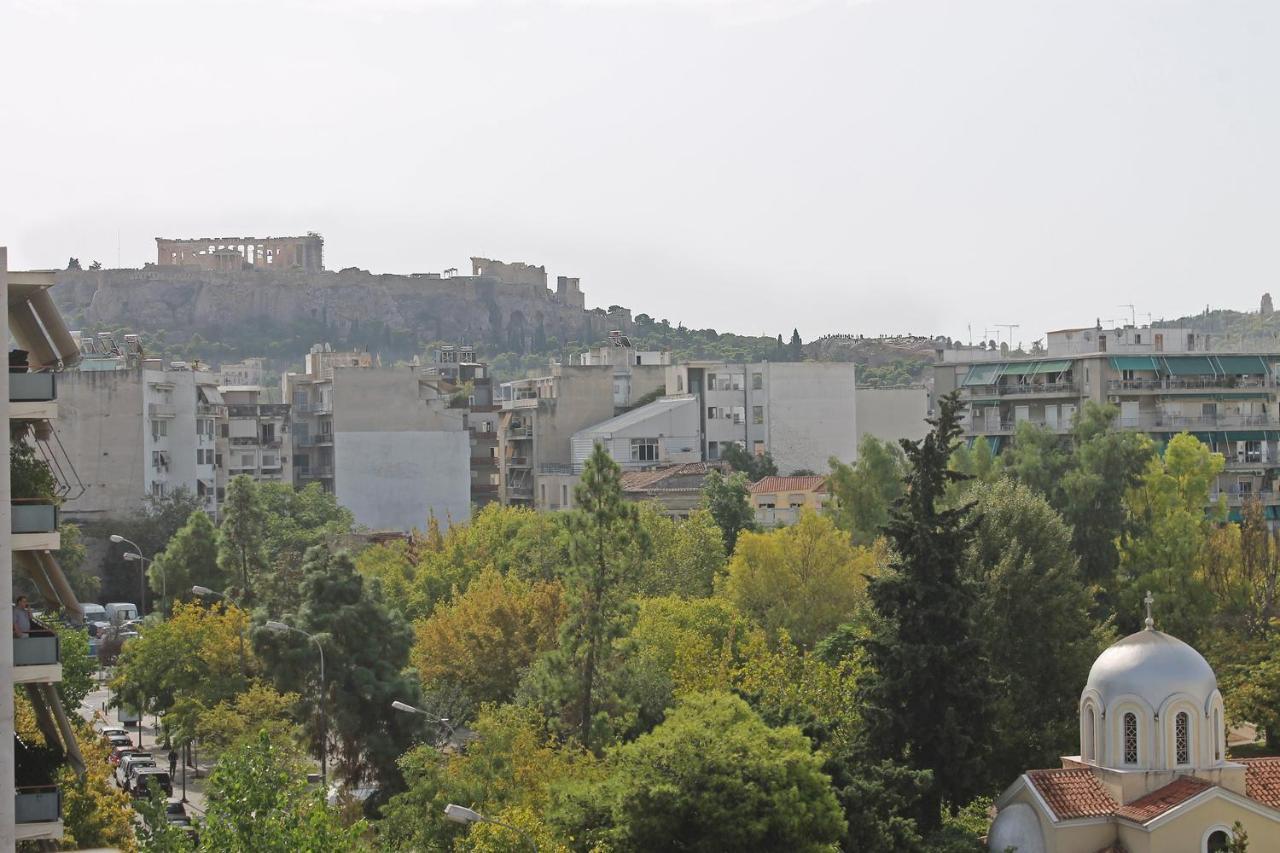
x,y
1150,623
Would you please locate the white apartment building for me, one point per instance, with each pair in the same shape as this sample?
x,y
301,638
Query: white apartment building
x,y
256,436
40,346
249,372
382,440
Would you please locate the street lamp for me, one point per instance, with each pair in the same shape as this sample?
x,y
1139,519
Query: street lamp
x,y
409,709
281,628
462,814
142,575
204,590
164,591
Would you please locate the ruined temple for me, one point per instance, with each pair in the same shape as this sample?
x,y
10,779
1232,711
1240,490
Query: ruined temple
x,y
232,254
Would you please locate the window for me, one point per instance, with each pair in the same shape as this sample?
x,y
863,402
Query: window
x,y
268,433
159,429
757,381
1181,737
1218,841
737,413
679,383
758,448
713,412
713,450
644,450
542,491
795,501
711,382
733,382
757,414
1253,451
564,495
1130,738
1217,734
1088,735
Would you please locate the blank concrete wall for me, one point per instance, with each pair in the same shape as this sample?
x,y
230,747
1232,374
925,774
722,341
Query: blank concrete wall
x,y
394,480
812,414
101,423
892,413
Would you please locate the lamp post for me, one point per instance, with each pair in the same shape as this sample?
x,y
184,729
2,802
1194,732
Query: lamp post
x,y
164,590
409,709
142,574
462,814
280,628
204,590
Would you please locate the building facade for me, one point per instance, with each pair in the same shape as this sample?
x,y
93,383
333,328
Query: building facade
x,y
228,254
779,501
39,347
255,437
1162,381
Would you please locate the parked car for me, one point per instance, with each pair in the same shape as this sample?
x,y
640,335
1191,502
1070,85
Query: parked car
x,y
119,751
121,739
113,731
145,778
130,763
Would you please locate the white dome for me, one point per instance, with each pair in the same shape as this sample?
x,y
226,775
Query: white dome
x,y
1017,828
1153,666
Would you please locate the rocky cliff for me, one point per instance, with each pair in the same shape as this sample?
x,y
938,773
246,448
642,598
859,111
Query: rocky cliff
x,y
398,314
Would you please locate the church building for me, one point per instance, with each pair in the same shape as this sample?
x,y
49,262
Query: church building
x,y
1152,775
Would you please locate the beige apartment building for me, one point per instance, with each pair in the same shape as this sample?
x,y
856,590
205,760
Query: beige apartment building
x,y
255,436
40,347
1163,381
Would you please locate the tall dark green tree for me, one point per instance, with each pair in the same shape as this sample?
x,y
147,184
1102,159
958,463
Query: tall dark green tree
x,y
795,349
866,490
755,466
366,653
728,501
190,558
606,549
242,550
928,697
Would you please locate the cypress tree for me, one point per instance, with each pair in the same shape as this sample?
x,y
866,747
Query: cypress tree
x,y
928,702
796,347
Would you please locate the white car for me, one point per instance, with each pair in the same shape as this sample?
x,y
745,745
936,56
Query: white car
x,y
129,763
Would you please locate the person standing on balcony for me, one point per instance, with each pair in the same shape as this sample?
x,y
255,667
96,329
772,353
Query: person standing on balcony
x,y
21,617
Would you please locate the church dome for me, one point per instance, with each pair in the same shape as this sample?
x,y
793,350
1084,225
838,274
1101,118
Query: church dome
x,y
1153,666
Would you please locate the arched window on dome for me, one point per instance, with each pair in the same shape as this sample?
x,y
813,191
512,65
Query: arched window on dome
x,y
1217,735
1130,738
1182,737
1088,734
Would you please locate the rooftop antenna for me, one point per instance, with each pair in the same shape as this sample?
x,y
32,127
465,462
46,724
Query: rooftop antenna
x,y
1008,327
1150,623
1133,317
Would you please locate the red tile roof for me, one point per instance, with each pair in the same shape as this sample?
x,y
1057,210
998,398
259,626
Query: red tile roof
x,y
1159,801
771,485
1262,780
637,481
1072,793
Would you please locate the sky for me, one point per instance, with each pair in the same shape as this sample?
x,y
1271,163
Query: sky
x,y
878,166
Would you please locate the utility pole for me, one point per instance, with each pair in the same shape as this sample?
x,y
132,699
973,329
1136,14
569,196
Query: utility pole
x,y
1133,317
1008,327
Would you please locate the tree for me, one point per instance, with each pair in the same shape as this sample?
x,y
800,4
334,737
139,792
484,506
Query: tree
x,y
879,800
190,559
485,638
193,655
151,528
607,545
1167,535
74,264
506,773
714,777
71,558
756,466
795,349
728,501
78,667
927,699
241,552
1030,587
260,708
864,491
96,265
1039,458
805,579
366,648
685,557
259,799
95,812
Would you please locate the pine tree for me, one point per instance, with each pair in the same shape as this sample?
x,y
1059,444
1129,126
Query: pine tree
x,y
795,350
243,530
928,700
607,545
781,354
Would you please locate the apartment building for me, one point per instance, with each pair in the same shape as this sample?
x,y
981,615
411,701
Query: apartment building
x,y
780,500
39,347
456,375
1163,381
138,427
255,436
801,413
381,440
251,371
636,373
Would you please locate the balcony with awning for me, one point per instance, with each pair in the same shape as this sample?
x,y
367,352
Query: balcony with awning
x,y
995,380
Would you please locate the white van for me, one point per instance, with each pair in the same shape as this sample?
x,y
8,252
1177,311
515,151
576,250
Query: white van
x,y
120,612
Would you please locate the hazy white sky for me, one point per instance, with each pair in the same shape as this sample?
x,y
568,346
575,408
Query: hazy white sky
x,y
885,165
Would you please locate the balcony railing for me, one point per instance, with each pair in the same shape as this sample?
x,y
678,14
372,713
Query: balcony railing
x,y
32,387
1161,421
38,804
316,472
1173,383
522,403
161,410
1030,388
517,461
33,517
520,432
37,650
555,468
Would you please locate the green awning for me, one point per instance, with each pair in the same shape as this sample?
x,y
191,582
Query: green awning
x,y
1134,362
1021,368
1191,365
1236,365
1235,515
1053,366
1205,437
1242,395
983,374
1246,435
